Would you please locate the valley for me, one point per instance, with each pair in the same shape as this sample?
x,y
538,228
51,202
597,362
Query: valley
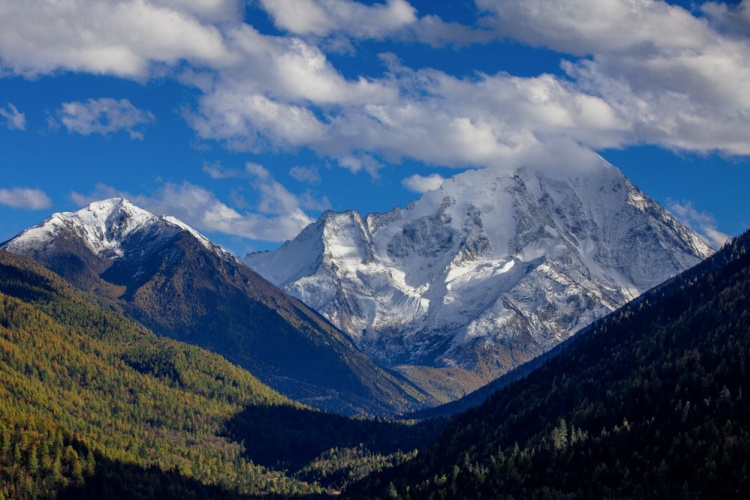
x,y
374,249
136,351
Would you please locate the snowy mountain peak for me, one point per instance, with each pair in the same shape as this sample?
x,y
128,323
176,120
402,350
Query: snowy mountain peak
x,y
106,223
488,270
103,226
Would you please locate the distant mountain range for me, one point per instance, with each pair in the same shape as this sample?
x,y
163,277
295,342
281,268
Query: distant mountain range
x,y
645,402
176,282
435,300
485,273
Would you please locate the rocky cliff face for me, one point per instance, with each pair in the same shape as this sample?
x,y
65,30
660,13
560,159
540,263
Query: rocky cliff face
x,y
484,273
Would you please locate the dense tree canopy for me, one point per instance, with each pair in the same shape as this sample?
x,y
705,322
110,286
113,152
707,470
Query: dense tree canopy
x,y
646,402
94,405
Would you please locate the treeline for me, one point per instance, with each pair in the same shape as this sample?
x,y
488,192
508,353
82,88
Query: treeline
x,y
648,402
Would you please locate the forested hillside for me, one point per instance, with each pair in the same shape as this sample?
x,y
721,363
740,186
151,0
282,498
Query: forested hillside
x,y
166,276
94,405
649,402
646,402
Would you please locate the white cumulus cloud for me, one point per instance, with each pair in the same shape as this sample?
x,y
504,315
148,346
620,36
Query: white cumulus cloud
x,y
26,198
677,80
640,72
321,17
425,115
337,21
123,38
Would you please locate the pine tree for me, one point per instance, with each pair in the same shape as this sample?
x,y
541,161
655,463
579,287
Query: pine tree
x,y
33,461
560,435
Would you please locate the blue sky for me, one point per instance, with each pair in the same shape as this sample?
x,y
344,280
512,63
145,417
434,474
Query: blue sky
x,y
247,119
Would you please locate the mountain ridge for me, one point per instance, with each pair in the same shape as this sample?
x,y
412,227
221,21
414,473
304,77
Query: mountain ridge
x,y
170,278
484,273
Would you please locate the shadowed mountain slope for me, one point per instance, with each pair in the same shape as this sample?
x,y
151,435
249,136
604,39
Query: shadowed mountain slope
x,y
649,402
177,283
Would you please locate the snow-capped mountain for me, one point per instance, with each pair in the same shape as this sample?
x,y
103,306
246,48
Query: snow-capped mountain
x,y
484,273
172,279
103,226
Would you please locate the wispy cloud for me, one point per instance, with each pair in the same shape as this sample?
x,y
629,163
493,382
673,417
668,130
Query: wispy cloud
x,y
276,215
101,192
701,222
273,197
201,209
308,175
731,19
15,119
311,201
216,171
104,116
25,198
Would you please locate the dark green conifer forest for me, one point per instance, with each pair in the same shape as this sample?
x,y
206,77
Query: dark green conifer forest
x,y
651,401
